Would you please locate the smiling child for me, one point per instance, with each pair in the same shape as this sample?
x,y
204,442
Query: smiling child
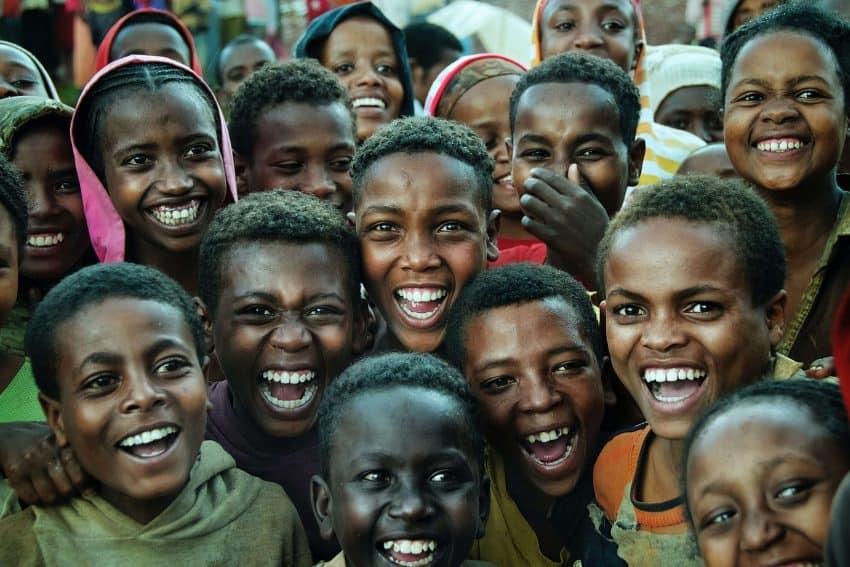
x,y
761,470
293,128
390,501
154,162
368,54
680,342
284,325
786,83
423,214
118,352
528,342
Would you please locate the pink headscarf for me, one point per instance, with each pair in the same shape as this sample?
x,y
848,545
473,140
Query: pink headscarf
x,y
106,228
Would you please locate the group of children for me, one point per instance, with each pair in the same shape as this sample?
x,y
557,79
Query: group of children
x,y
321,330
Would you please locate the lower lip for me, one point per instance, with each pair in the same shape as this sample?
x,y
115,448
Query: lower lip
x,y
675,409
182,229
429,323
37,251
558,469
788,155
370,112
158,460
434,557
290,414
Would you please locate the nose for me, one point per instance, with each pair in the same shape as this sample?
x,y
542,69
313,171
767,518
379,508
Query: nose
x,y
662,333
419,253
366,74
501,153
539,394
141,393
759,531
42,202
779,109
291,335
587,37
409,503
175,179
319,183
702,131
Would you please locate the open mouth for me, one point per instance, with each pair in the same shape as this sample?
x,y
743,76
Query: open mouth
x,y
550,448
178,215
409,552
368,102
673,385
151,443
288,389
780,145
421,303
45,239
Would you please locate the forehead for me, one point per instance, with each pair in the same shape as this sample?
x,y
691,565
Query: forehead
x,y
493,93
14,58
293,124
419,182
246,54
589,6
147,37
146,113
711,159
541,111
359,35
51,129
693,97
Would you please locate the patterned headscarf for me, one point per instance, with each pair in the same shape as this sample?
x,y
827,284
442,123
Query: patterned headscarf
x,y
456,79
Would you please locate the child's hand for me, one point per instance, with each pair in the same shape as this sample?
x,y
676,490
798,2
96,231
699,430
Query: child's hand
x,y
568,218
821,368
38,470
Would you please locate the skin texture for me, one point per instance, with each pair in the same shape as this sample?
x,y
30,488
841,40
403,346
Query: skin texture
x,y
239,62
761,479
571,167
421,227
300,318
383,487
150,39
43,156
785,85
533,370
360,52
693,109
18,75
126,366
605,28
750,9
161,149
484,108
302,147
423,78
8,264
710,159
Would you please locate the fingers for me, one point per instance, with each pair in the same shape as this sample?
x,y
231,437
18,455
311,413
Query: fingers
x,y
72,468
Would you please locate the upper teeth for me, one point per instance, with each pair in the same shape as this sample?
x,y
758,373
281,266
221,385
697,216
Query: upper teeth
x,y
146,437
411,547
547,436
177,215
418,294
368,101
651,375
45,239
779,145
284,377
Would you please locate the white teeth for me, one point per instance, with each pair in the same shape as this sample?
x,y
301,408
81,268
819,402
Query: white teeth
x,y
779,146
305,398
651,375
45,240
411,547
146,437
419,294
368,101
172,216
284,377
547,436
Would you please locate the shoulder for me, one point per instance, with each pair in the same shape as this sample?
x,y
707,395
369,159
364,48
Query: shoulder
x,y
616,466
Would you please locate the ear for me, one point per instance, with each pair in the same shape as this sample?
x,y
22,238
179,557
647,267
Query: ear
x,y
53,412
608,378
774,312
243,182
493,222
636,154
483,506
206,322
320,497
365,324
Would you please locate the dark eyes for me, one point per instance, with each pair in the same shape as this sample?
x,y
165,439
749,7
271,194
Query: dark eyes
x,y
137,160
629,310
498,384
256,311
68,186
610,26
172,365
100,382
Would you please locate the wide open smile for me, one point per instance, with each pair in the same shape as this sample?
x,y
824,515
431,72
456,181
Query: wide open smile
x,y
409,552
550,449
675,389
178,215
421,307
151,443
288,390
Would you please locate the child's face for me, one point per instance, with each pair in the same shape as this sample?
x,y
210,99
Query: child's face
x,y
57,236
132,400
693,109
680,342
360,51
760,483
282,335
392,490
785,114
605,28
710,159
551,135
485,109
18,74
163,166
303,147
535,375
240,62
424,235
150,39
8,264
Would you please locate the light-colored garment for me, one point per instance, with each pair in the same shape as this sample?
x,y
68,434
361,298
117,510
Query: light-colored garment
x,y
19,400
42,72
223,516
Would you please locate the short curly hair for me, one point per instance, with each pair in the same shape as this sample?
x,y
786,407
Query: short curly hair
x,y
579,67
396,370
799,17
13,198
512,285
274,216
730,205
422,134
91,286
299,81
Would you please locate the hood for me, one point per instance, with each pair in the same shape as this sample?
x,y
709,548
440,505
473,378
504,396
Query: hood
x,y
672,67
45,78
106,228
727,17
310,43
462,75
168,18
18,111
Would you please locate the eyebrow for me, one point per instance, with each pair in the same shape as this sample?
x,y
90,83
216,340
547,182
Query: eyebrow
x,y
166,343
719,485
122,150
687,292
506,361
592,137
533,139
793,82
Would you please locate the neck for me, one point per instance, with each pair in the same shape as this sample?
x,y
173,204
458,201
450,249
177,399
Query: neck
x,y
660,481
180,266
142,511
535,507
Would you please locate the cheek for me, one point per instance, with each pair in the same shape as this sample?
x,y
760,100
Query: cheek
x,y
717,550
396,91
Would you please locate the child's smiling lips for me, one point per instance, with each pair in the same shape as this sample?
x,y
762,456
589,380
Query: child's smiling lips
x,y
150,441
409,551
551,447
673,387
421,306
288,390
